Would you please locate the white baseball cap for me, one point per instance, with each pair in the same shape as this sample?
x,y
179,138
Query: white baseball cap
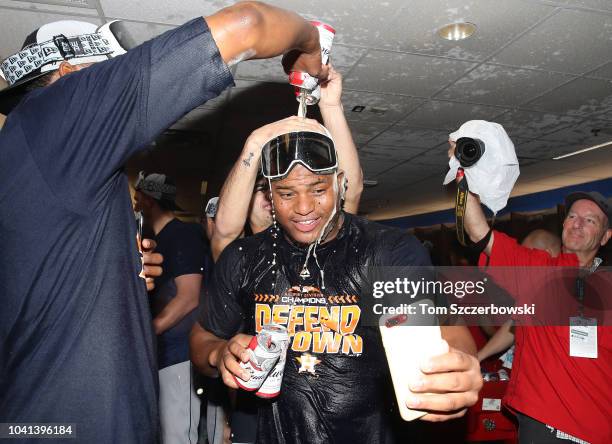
x,y
46,48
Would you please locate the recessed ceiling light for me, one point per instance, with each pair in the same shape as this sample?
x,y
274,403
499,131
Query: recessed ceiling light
x,y
457,31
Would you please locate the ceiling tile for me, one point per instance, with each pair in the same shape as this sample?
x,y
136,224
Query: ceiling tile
x,y
373,167
500,85
571,41
344,57
141,32
449,115
408,74
171,12
363,132
77,7
22,22
558,3
398,153
435,157
411,26
414,28
361,23
533,124
405,174
544,149
376,198
604,71
603,5
580,97
588,133
400,135
269,70
518,143
395,106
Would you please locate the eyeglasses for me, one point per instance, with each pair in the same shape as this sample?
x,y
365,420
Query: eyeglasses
x,y
313,150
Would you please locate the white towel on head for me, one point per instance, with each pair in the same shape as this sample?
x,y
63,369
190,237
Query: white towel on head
x,y
495,174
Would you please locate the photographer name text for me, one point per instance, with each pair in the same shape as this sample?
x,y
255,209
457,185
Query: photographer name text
x,y
453,309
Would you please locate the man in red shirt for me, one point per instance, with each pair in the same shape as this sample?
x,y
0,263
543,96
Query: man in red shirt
x,y
557,396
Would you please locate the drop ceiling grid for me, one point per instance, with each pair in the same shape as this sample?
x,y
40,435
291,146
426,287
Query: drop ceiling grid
x,y
499,49
519,106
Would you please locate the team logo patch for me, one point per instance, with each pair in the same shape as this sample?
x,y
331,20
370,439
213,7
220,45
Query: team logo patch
x,y
307,363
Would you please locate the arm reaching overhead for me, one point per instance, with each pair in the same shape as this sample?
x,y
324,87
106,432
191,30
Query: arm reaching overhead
x,y
335,121
475,222
254,30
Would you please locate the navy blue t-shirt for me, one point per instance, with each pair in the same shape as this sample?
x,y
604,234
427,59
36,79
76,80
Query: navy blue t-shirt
x,y
182,245
76,340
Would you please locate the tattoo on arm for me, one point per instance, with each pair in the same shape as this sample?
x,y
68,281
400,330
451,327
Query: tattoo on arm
x,y
247,161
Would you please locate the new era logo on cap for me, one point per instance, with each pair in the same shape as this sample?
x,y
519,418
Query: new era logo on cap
x,y
54,43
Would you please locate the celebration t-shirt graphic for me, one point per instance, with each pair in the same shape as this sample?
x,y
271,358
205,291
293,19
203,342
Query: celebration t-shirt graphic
x,y
316,323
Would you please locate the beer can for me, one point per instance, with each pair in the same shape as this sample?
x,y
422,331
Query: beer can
x,y
272,385
302,80
265,350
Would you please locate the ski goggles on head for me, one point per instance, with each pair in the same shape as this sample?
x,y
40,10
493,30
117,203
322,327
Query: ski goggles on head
x,y
315,151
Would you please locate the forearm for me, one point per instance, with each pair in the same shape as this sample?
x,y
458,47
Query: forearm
x,y
348,158
204,350
253,30
499,342
475,222
459,337
235,198
179,307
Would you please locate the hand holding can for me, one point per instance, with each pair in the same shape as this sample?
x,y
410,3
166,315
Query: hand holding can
x,y
303,81
228,358
266,361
